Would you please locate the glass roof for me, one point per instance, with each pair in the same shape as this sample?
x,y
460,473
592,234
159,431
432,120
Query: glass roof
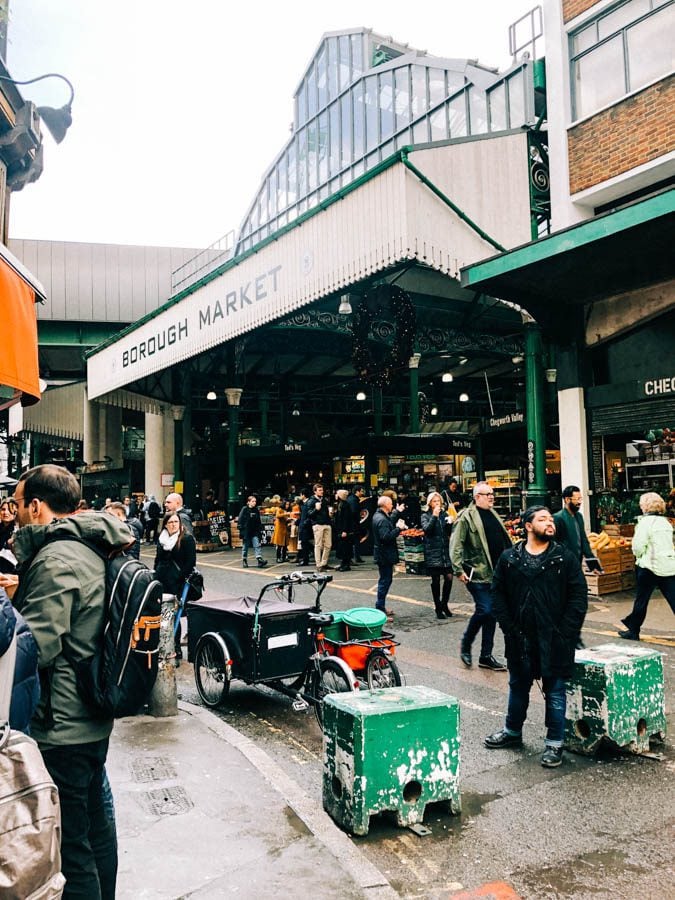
x,y
361,98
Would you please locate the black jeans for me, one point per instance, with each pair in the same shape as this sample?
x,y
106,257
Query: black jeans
x,y
88,839
386,571
646,582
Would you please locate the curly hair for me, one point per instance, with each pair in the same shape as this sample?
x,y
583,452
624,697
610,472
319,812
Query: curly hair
x,y
652,503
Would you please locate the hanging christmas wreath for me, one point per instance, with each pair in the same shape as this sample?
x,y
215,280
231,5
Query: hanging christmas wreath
x,y
373,318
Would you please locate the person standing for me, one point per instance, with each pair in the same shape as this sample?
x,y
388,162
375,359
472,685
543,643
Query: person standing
x,y
175,559
436,527
345,528
478,540
134,525
174,503
318,514
152,513
304,528
385,550
354,500
569,524
279,540
654,562
540,600
250,531
61,595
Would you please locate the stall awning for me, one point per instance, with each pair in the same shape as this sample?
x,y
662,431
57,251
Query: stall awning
x,y
611,253
19,372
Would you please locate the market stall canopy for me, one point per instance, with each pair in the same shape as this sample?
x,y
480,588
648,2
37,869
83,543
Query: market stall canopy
x,y
19,371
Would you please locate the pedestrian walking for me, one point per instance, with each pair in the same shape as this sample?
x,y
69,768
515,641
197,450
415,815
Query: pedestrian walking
x,y
281,513
174,503
478,540
175,560
345,528
250,531
570,528
318,513
654,562
436,527
540,600
385,550
61,595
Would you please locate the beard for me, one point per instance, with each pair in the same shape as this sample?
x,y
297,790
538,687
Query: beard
x,y
543,536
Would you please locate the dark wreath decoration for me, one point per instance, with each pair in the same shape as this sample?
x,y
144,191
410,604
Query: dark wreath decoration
x,y
373,319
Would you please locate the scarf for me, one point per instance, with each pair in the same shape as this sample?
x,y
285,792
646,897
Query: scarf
x,y
168,541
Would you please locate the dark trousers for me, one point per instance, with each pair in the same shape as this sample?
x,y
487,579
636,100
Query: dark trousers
x,y
386,571
436,575
305,550
646,582
482,620
88,839
520,684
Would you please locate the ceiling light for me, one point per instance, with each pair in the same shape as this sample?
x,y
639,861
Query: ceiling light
x,y
463,398
434,410
361,395
345,308
446,377
463,360
211,395
296,410
516,360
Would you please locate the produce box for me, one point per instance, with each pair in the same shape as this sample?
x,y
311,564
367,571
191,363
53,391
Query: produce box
x,y
616,531
603,584
627,559
610,560
628,580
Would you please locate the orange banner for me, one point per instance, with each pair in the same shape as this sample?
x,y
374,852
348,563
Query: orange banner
x,y
19,357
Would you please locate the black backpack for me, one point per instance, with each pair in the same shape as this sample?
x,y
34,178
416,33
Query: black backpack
x,y
116,681
154,510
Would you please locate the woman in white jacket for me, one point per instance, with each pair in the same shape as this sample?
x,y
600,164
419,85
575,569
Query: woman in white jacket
x,y
654,560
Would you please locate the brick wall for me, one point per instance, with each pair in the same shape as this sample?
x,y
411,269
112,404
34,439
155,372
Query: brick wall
x,y
572,8
627,135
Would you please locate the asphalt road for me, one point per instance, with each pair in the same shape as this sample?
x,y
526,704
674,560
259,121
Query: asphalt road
x,y
594,828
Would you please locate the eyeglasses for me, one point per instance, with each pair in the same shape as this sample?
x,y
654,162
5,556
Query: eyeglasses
x,y
485,494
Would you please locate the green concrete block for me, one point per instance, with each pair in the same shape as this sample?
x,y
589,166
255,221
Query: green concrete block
x,y
616,694
391,749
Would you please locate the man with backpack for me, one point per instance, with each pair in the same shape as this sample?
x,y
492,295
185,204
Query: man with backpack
x,y
61,595
153,513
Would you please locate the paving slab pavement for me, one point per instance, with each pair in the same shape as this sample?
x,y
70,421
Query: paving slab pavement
x,y
204,812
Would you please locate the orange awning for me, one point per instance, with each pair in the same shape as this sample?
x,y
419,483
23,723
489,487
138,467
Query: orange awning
x,y
19,356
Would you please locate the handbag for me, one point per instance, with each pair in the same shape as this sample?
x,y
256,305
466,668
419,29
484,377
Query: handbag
x,y
195,583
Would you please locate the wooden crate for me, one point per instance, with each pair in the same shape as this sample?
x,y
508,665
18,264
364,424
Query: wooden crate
x,y
627,559
615,531
627,580
603,584
610,560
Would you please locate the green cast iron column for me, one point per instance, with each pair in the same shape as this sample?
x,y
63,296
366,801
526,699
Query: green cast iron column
x,y
264,419
377,409
534,405
233,398
413,366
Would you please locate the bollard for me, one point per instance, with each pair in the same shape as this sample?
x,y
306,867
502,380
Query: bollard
x,y
163,700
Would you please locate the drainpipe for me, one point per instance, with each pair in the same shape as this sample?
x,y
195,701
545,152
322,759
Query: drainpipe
x,y
536,432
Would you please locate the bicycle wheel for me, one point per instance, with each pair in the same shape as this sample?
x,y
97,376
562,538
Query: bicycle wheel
x,y
330,679
211,678
382,671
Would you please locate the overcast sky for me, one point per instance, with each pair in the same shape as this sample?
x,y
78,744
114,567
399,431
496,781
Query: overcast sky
x,y
181,106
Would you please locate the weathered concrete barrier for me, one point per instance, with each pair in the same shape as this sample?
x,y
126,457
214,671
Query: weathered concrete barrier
x,y
389,749
163,699
616,695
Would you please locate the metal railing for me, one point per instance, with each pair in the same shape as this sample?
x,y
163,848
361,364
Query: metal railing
x,y
203,263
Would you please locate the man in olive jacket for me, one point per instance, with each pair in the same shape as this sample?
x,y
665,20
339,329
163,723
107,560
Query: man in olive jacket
x,y
478,539
540,599
61,596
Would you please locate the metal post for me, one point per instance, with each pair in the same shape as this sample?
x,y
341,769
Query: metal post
x,y
377,409
536,431
233,399
413,366
264,402
163,700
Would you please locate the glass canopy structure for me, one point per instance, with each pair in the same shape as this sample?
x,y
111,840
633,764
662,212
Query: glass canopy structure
x,y
364,96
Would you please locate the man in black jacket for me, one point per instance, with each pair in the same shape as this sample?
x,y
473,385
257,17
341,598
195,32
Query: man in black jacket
x,y
305,536
250,532
354,500
385,551
540,600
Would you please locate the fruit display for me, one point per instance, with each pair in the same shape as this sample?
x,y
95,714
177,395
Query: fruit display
x,y
514,526
412,533
604,541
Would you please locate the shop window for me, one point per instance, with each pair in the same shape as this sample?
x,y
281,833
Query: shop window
x,y
620,52
402,96
386,105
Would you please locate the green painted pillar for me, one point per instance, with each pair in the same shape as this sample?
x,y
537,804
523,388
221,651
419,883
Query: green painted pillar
x,y
233,399
377,407
264,419
413,366
534,406
397,417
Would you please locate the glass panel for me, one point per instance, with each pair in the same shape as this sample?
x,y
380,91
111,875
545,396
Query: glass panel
x,y
332,68
439,125
477,111
497,98
312,154
386,105
282,174
624,15
302,104
255,216
387,150
358,67
419,90
657,34
436,87
516,85
272,193
585,38
402,101
357,170
344,66
403,139
322,78
359,120
292,174
323,148
455,81
371,113
334,154
346,128
372,160
311,93
599,77
457,116
421,131
334,186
